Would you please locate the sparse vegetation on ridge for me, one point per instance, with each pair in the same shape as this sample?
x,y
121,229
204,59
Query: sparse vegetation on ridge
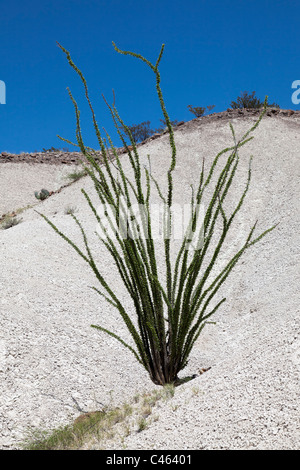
x,y
199,111
249,101
140,132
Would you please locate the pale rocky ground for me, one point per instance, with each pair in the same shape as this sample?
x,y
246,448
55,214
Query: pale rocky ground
x,y
53,366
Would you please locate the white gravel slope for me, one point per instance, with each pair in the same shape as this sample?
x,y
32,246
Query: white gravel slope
x,y
19,181
53,365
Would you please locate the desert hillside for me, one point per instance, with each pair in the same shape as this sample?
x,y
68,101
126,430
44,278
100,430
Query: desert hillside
x,y
54,366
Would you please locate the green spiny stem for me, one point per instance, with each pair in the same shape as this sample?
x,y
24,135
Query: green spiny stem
x,y
162,345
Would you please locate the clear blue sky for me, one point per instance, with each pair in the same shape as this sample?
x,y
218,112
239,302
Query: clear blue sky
x,y
215,49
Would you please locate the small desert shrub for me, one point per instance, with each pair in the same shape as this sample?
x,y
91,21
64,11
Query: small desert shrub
x,y
54,149
163,127
139,132
9,222
70,210
249,100
141,424
170,310
76,175
199,111
43,194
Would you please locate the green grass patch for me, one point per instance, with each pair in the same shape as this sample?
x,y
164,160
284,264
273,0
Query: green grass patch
x,y
97,428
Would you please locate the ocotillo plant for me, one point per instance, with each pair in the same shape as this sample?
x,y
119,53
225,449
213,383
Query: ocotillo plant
x,y
167,314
